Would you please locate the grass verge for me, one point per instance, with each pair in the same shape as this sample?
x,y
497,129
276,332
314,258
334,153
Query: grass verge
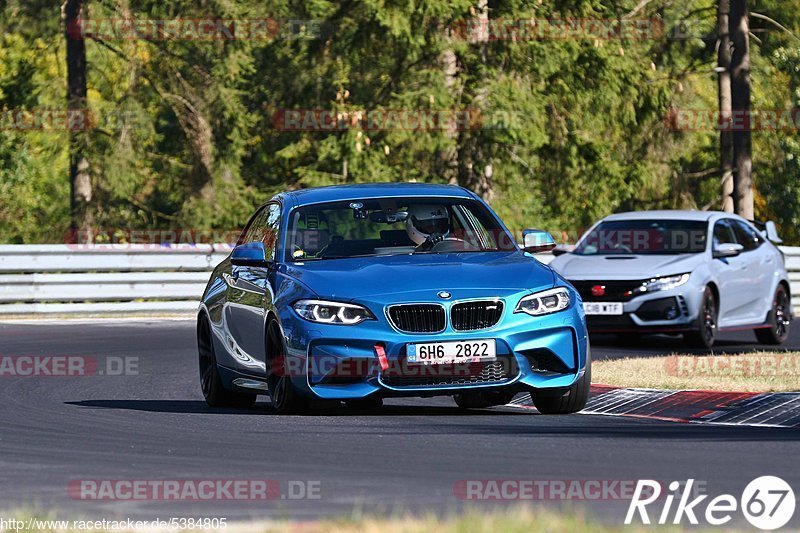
x,y
513,520
759,372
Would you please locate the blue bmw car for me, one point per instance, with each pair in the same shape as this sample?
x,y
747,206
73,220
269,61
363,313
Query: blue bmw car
x,y
358,293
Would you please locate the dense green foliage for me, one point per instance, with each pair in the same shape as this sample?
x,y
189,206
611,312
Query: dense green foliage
x,y
571,129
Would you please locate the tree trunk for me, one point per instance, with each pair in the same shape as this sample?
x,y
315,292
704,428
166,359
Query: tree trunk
x,y
475,170
82,219
740,97
447,160
725,104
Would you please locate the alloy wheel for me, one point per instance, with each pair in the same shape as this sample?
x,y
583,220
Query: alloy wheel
x,y
709,318
279,380
206,351
781,316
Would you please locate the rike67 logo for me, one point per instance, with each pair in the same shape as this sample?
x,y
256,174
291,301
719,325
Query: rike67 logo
x,y
767,502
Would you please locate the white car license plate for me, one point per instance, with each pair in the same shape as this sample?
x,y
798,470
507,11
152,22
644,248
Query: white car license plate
x,y
605,308
441,353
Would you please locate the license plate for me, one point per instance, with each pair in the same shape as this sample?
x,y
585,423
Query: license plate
x,y
605,308
441,353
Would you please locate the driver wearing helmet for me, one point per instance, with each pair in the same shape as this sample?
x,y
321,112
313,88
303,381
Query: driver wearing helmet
x,y
427,225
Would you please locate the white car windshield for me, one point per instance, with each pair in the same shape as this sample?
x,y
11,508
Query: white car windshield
x,y
645,237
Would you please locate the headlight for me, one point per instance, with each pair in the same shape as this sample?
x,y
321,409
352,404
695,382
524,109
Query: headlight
x,y
544,303
332,312
660,284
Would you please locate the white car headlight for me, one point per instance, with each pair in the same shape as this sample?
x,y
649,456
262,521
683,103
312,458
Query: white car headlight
x,y
326,312
545,302
661,284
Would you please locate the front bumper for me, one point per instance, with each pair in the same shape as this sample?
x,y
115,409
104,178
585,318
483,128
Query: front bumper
x,y
336,362
667,311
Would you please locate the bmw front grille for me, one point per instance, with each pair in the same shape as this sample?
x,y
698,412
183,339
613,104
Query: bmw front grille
x,y
470,315
475,315
418,318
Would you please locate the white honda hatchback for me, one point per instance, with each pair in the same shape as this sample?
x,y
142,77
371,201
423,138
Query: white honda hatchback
x,y
689,272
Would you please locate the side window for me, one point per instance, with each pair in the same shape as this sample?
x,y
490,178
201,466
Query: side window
x,y
746,236
264,228
269,233
250,229
723,233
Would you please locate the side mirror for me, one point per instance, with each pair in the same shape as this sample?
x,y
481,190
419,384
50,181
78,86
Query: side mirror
x,y
251,254
727,249
768,230
772,232
536,241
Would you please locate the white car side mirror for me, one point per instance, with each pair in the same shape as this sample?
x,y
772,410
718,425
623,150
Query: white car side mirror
x,y
727,249
772,232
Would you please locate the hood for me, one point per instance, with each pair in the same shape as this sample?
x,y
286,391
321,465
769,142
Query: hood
x,y
419,277
624,267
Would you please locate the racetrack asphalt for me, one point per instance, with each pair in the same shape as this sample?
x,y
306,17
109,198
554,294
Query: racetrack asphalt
x,y
153,425
728,343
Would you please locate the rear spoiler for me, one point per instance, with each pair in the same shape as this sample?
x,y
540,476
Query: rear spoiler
x,y
769,230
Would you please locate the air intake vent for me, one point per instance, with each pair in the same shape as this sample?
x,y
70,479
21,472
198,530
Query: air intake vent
x,y
418,318
470,316
409,375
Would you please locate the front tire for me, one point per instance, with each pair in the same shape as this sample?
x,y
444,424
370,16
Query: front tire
x,y
705,333
215,394
779,320
573,401
286,399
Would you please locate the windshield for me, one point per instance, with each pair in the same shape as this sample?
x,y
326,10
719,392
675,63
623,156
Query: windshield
x,y
390,226
645,237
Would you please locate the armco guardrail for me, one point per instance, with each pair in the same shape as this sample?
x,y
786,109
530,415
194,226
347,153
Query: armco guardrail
x,y
793,266
64,279
117,279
